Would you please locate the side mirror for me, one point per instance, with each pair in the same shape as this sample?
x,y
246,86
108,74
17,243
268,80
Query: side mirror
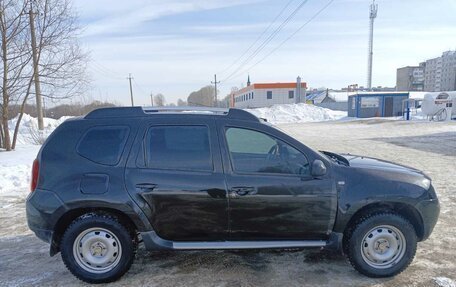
x,y
318,168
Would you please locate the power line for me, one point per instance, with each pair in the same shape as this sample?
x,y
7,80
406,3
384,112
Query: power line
x,y
98,71
103,67
287,39
105,71
267,40
139,86
257,39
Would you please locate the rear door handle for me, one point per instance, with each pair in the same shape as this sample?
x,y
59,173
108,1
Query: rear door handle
x,y
244,190
144,187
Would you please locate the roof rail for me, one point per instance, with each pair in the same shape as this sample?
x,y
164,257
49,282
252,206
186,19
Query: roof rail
x,y
115,112
242,115
209,110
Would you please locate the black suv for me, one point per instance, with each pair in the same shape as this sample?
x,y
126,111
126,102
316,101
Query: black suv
x,y
186,179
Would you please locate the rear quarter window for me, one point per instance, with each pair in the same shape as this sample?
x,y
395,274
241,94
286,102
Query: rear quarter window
x,y
179,148
104,144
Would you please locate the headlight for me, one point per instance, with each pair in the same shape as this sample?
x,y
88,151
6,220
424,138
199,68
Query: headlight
x,y
425,183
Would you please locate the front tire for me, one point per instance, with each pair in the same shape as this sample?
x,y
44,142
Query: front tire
x,y
97,248
381,245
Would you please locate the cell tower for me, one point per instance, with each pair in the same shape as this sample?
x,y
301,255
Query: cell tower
x,y
372,16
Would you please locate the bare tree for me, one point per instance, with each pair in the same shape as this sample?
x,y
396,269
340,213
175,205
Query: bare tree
x,y
159,100
181,103
202,97
61,62
15,56
225,102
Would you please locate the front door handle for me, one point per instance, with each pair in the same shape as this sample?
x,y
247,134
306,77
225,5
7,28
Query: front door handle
x,y
243,190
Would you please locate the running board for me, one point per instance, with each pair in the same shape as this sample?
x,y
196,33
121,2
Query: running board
x,y
247,244
153,242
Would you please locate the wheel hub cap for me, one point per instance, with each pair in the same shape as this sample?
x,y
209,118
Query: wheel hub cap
x,y
97,250
383,246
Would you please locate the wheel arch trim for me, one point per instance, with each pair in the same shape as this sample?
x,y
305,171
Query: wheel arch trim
x,y
129,219
405,210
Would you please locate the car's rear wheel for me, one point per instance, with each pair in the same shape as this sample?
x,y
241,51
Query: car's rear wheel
x,y
381,245
97,248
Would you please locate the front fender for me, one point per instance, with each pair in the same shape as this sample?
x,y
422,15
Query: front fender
x,y
365,187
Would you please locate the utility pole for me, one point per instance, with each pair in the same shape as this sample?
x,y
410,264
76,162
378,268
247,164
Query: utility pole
x,y
215,83
39,108
372,16
151,99
131,89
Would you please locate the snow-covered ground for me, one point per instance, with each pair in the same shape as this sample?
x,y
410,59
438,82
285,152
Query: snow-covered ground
x,y
296,113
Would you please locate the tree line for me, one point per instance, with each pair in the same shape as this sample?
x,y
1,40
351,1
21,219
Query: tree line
x,y
204,97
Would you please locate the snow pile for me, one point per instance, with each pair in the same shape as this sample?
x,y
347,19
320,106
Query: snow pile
x,y
15,170
16,166
296,113
28,128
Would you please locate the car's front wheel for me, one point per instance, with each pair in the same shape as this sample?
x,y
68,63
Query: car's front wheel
x,y
97,248
381,245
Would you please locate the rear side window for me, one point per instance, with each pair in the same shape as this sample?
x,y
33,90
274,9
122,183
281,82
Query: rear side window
x,y
104,145
179,147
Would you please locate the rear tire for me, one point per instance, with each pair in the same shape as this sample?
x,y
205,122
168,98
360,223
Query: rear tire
x,y
97,248
381,245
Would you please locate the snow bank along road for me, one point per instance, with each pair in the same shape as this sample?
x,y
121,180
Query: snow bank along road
x,y
24,259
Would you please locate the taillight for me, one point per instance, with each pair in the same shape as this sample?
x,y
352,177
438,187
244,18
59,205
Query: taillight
x,y
35,171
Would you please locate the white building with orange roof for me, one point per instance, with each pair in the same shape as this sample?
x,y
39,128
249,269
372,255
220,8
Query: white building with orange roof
x,y
258,95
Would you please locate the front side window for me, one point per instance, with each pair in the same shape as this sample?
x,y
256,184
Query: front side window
x,y
256,152
290,94
179,147
269,95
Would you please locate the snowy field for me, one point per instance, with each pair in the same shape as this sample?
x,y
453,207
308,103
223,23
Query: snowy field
x,y
429,146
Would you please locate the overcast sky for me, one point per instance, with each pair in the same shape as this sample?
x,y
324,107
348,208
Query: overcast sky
x,y
175,46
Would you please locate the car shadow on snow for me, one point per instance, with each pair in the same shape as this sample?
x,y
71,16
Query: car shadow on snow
x,y
25,261
310,267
